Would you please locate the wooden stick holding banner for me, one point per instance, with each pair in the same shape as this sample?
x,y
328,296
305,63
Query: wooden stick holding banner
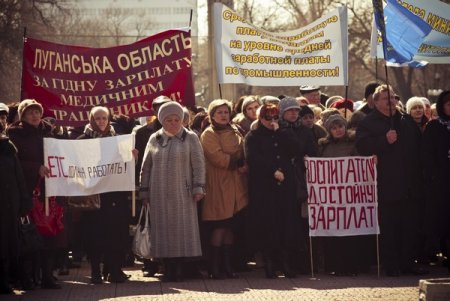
x,y
311,256
133,203
220,91
378,256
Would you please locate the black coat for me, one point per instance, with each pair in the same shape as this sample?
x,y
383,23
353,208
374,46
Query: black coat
x,y
436,163
399,167
14,199
274,211
106,230
29,141
142,136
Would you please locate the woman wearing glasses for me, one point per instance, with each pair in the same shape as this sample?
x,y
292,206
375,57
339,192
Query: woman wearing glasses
x,y
273,207
226,185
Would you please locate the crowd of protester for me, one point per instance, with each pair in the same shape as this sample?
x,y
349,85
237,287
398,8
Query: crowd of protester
x,y
226,186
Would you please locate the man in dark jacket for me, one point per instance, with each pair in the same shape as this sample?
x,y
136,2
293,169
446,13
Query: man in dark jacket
x,y
395,141
142,136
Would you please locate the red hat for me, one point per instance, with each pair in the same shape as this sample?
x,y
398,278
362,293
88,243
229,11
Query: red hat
x,y
343,104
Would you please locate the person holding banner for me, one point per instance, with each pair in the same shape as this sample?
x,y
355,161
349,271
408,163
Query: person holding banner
x,y
341,253
226,185
106,229
172,182
27,135
395,140
274,210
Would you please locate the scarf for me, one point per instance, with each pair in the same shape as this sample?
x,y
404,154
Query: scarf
x,y
96,133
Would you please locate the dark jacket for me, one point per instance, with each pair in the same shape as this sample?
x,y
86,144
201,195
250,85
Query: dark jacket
x,y
343,147
29,141
14,199
436,163
142,136
274,211
107,229
399,168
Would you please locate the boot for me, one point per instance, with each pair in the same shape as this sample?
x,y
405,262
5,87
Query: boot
x,y
286,262
168,270
114,262
96,275
26,272
214,261
228,262
268,265
4,283
48,281
178,270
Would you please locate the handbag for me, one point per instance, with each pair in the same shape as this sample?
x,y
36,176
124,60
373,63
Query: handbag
x,y
49,225
29,239
141,240
84,202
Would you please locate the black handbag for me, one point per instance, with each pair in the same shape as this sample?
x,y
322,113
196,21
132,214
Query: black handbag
x,y
29,239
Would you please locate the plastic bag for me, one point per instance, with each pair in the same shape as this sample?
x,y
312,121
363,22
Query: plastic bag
x,y
141,240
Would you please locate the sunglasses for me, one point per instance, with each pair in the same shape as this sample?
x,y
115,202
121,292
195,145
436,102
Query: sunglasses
x,y
270,118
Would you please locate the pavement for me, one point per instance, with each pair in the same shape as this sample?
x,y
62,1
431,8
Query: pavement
x,y
249,286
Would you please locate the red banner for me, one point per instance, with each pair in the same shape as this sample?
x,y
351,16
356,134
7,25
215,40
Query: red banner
x,y
69,80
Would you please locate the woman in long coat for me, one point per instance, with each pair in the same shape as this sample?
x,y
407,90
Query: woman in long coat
x,y
27,135
274,211
172,182
14,201
226,184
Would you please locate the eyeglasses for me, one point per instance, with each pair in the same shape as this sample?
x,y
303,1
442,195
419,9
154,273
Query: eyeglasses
x,y
270,118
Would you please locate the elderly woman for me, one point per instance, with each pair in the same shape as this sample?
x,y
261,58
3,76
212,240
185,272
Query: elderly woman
x,y
226,184
172,182
28,134
274,211
106,231
415,107
249,107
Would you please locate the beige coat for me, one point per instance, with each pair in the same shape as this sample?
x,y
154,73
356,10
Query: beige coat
x,y
226,188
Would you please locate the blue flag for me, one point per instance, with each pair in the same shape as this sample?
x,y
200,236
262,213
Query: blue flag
x,y
403,33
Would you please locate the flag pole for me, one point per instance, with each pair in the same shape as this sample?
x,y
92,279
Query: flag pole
x,y
346,98
378,256
311,256
23,62
220,91
190,19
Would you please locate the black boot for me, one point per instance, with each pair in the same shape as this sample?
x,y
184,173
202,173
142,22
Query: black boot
x,y
169,270
287,268
214,262
48,281
4,283
228,262
268,265
96,275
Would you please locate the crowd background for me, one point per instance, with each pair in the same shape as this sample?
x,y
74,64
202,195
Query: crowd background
x,y
226,186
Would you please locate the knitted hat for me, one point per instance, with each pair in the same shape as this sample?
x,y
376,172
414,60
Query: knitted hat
x,y
343,104
305,111
288,103
335,119
412,102
4,108
170,108
27,103
370,89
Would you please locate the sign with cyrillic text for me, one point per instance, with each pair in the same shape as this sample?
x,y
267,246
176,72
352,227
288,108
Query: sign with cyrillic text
x,y
312,55
89,166
69,80
342,196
